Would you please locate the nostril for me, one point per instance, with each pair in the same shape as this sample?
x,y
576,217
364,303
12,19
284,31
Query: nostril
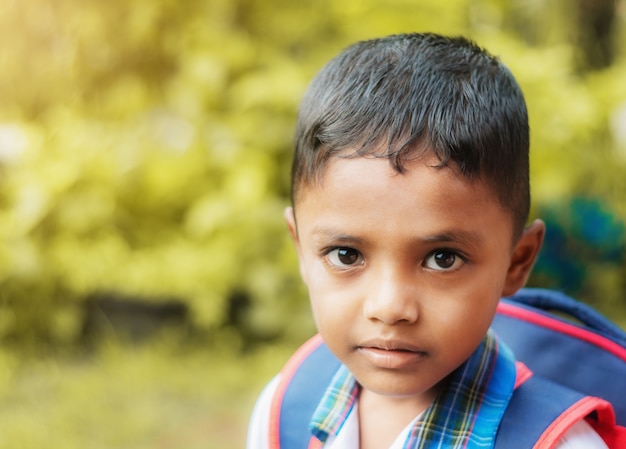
x,y
391,311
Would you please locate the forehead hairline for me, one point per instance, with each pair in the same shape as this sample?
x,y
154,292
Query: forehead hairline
x,y
315,179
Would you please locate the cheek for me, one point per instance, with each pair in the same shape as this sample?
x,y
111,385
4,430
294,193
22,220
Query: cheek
x,y
460,336
333,306
326,303
463,319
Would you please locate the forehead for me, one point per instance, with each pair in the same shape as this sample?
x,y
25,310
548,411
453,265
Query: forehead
x,y
367,194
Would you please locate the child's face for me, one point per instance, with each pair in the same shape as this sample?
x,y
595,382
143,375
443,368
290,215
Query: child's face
x,y
404,271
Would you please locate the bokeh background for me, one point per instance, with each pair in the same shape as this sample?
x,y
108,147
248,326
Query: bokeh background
x,y
148,289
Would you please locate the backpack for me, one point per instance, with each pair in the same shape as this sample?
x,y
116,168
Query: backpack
x,y
586,355
575,370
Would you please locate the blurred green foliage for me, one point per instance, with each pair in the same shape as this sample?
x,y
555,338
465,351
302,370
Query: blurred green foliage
x,y
145,146
145,150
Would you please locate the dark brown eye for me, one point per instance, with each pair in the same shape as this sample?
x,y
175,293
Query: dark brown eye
x,y
444,260
342,257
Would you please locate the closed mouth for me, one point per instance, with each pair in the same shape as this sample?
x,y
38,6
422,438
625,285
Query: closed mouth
x,y
391,354
391,345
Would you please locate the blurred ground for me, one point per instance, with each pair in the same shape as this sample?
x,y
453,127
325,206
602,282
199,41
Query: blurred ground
x,y
131,397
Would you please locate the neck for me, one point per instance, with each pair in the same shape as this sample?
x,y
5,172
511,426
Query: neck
x,y
382,418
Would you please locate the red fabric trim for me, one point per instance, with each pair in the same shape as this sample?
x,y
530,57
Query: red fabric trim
x,y
560,326
522,374
315,443
614,438
285,377
603,422
578,411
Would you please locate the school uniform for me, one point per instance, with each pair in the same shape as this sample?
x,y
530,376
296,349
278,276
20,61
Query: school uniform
x,y
481,387
581,436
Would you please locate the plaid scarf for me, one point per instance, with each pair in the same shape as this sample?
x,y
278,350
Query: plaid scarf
x,y
464,415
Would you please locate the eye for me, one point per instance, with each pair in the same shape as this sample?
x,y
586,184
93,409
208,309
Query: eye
x,y
344,257
444,260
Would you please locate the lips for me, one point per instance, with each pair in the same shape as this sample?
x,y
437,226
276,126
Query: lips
x,y
391,354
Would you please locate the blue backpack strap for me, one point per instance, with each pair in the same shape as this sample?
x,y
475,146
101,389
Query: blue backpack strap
x,y
539,414
302,384
588,355
555,301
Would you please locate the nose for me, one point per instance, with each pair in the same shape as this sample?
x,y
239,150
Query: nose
x,y
392,297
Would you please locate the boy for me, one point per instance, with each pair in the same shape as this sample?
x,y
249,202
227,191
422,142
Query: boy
x,y
410,197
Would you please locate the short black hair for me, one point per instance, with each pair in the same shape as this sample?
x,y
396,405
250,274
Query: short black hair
x,y
403,95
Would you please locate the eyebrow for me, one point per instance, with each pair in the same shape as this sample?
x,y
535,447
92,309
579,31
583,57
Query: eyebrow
x,y
466,238
335,236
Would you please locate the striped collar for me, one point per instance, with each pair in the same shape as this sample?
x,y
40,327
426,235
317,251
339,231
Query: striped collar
x,y
336,405
465,415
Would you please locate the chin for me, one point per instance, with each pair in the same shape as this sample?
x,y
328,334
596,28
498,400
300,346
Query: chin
x,y
396,387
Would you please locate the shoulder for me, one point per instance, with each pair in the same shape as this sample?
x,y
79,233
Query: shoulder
x,y
553,415
581,436
258,429
299,386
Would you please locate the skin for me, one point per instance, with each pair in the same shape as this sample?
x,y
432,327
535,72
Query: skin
x,y
404,273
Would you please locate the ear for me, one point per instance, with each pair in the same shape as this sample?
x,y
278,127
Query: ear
x,y
290,218
523,258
